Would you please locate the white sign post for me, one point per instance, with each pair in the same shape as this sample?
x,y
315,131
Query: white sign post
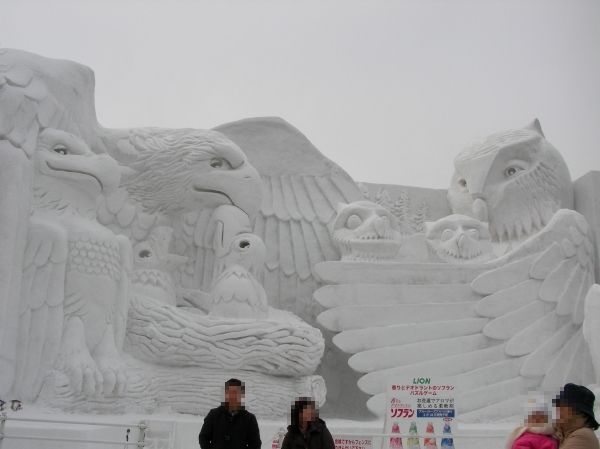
x,y
422,411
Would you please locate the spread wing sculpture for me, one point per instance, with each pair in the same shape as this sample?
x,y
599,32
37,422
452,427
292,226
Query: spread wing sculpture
x,y
300,190
27,108
66,292
49,191
496,329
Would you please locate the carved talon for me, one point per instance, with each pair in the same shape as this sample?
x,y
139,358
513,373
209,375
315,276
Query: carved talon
x,y
84,376
114,376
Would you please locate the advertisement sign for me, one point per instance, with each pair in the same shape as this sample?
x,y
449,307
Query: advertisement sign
x,y
420,410
352,442
340,441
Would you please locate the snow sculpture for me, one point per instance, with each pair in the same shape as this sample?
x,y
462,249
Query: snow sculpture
x,y
365,231
497,328
40,288
234,230
153,263
591,328
75,283
459,239
515,180
236,293
80,303
302,189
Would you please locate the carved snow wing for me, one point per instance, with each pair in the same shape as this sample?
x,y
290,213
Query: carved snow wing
x,y
139,268
107,263
498,327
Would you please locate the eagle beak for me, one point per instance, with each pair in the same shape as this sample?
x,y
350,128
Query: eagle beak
x,y
108,172
242,186
249,195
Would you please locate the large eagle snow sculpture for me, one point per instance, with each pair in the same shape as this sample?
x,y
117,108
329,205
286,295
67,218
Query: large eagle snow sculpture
x,y
27,108
497,329
300,191
75,285
290,205
52,247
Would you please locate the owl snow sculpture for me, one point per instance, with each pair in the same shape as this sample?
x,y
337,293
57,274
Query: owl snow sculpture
x,y
236,292
364,230
459,239
497,329
514,180
75,281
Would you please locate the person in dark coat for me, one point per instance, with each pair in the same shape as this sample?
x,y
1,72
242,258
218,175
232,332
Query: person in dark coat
x,y
307,430
230,426
575,422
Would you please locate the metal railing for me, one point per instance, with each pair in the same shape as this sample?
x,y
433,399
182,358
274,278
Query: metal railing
x,y
141,442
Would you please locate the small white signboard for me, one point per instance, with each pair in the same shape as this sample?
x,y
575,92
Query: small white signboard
x,y
420,409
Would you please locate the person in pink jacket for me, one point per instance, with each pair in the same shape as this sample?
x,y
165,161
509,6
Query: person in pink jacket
x,y
538,432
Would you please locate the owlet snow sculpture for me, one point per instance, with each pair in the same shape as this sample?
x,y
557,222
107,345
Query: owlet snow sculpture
x,y
364,230
497,329
515,180
459,239
75,283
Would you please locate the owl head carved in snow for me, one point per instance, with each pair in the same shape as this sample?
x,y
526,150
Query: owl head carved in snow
x,y
364,230
515,180
459,239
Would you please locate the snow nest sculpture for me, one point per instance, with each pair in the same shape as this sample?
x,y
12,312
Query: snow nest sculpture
x,y
84,328
496,328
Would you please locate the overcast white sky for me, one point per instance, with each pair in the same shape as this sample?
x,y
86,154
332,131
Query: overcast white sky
x,y
390,90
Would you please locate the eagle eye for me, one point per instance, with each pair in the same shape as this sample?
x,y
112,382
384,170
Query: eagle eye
x,y
61,150
244,244
219,162
144,254
462,182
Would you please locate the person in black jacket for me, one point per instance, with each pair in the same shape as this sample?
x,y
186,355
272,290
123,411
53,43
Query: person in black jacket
x,y
307,430
230,426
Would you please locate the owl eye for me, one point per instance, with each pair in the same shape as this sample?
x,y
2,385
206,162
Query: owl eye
x,y
462,182
353,221
244,244
219,162
61,150
512,171
473,233
145,253
447,234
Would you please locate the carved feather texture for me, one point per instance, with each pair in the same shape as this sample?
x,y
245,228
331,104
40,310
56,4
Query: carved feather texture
x,y
41,309
519,331
300,189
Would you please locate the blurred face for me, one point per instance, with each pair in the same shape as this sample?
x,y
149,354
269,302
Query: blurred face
x,y
537,418
564,413
234,396
308,414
